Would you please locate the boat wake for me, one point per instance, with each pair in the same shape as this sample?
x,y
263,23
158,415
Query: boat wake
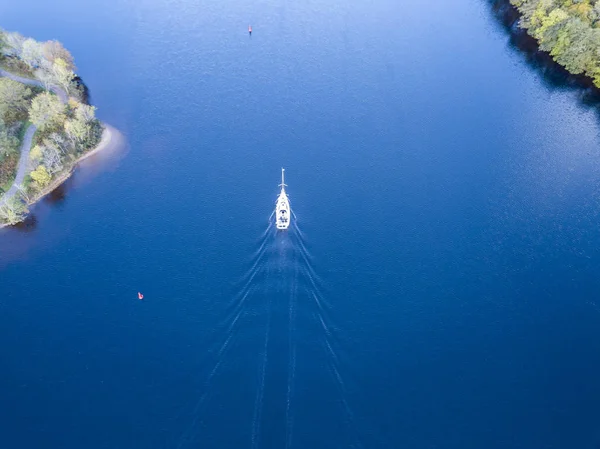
x,y
281,315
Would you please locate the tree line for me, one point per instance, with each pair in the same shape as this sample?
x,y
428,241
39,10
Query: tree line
x,y
567,29
65,130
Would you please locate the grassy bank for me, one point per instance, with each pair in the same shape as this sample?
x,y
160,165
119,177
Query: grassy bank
x,y
16,66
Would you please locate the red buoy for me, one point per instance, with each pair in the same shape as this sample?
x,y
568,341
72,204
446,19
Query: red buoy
x,y
140,296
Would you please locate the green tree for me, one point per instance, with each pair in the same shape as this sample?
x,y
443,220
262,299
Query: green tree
x,y
85,112
46,110
8,142
77,130
553,21
14,100
568,29
62,74
81,128
576,47
13,211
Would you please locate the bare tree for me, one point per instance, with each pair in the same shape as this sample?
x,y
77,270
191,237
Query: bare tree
x,y
32,53
13,44
53,151
23,192
52,159
45,77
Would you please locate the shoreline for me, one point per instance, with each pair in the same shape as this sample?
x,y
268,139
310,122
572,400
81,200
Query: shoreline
x,y
552,72
71,93
108,134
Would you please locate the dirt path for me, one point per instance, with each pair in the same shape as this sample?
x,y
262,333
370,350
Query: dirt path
x,y
22,167
26,145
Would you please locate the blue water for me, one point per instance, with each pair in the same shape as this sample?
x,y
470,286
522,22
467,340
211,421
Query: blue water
x,y
439,287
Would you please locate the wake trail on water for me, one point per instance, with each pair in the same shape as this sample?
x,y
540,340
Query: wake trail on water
x,y
260,394
332,334
334,363
236,307
222,352
315,290
257,261
289,418
234,312
281,271
308,267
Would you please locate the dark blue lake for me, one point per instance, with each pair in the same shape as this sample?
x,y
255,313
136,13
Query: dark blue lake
x,y
439,287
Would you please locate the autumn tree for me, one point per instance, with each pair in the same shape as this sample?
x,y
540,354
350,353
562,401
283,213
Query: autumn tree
x,y
54,50
35,154
41,176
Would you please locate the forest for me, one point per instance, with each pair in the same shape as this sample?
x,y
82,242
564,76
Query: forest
x,y
569,30
40,92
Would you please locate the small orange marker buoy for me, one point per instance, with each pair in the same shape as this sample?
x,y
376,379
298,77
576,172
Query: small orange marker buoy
x,y
140,296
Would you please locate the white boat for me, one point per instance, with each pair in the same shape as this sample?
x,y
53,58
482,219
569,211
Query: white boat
x,y
282,207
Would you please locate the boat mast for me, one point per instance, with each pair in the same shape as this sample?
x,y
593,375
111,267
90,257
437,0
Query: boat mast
x,y
282,179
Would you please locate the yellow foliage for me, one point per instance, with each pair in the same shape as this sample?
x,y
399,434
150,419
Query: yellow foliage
x,y
556,16
41,176
35,153
73,103
581,10
596,76
541,11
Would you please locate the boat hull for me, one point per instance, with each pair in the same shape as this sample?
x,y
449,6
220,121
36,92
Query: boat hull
x,y
282,211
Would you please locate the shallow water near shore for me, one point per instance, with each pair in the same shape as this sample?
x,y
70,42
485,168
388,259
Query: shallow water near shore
x,y
438,287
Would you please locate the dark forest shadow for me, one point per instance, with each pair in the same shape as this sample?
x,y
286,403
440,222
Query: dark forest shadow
x,y
28,225
554,76
59,194
83,90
